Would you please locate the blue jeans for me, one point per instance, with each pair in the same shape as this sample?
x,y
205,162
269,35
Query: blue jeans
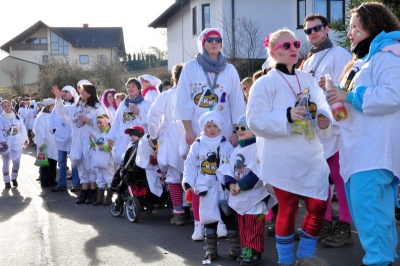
x,y
62,171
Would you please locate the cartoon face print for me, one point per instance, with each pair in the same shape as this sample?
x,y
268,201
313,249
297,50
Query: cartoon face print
x,y
205,98
209,165
100,141
312,107
128,116
240,166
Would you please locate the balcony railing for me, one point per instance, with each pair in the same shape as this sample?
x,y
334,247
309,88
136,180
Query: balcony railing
x,y
30,47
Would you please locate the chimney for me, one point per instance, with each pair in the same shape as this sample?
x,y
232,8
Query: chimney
x,y
85,25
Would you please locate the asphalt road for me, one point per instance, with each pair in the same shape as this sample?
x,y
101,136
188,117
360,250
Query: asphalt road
x,y
40,227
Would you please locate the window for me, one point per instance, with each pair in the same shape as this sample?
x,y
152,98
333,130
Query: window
x,y
333,10
58,45
83,59
194,21
45,58
36,40
102,58
205,13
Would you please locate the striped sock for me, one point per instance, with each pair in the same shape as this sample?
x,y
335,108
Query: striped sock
x,y
307,246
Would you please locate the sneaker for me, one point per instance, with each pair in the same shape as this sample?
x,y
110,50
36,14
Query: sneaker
x,y
76,188
8,185
341,235
198,234
251,257
15,183
57,189
271,230
327,230
178,219
221,230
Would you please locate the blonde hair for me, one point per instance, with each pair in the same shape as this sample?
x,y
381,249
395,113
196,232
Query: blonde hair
x,y
271,38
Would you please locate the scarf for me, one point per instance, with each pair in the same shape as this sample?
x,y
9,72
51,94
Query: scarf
x,y
247,142
325,45
145,91
138,99
211,143
362,48
209,65
106,129
10,115
381,41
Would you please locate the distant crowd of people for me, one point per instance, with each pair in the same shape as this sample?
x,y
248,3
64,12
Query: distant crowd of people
x,y
237,151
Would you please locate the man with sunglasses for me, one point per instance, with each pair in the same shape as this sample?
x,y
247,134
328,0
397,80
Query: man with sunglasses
x,y
325,58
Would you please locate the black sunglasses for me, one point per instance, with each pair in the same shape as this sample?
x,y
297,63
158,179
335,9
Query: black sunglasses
x,y
211,39
242,128
317,28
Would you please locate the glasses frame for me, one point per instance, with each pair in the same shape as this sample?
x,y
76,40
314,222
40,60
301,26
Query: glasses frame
x,y
241,128
212,39
316,28
283,44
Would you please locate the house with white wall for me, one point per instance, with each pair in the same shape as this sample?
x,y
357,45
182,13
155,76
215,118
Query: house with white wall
x,y
40,44
185,19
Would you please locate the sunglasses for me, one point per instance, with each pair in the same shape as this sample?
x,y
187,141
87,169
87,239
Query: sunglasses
x,y
242,128
216,39
317,28
287,45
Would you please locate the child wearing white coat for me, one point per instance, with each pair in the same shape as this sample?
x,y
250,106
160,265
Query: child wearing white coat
x,y
249,197
102,160
206,154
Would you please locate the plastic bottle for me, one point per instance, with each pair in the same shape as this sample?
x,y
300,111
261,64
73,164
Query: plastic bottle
x,y
304,127
338,109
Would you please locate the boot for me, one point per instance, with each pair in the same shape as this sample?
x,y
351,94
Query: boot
x,y
83,197
341,235
100,197
178,219
211,247
234,245
108,200
326,231
91,197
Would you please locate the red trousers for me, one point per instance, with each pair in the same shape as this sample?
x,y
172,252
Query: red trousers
x,y
251,230
288,209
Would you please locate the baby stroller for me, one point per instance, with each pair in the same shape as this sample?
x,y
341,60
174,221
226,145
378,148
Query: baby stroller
x,y
133,189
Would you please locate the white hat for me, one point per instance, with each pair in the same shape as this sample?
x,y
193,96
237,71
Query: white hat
x,y
48,101
72,91
155,82
83,81
204,34
211,116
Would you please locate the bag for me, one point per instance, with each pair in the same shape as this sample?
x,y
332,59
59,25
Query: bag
x,y
41,159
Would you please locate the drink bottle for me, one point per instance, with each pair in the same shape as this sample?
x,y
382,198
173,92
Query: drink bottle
x,y
304,127
338,109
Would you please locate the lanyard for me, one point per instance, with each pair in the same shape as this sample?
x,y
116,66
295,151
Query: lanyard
x,y
212,85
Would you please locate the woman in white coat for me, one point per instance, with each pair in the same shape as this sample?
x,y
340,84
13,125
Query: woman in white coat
x,y
150,87
45,141
293,164
14,133
168,131
209,83
131,112
82,118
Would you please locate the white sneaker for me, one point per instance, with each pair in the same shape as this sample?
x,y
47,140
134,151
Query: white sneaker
x,y
221,230
198,234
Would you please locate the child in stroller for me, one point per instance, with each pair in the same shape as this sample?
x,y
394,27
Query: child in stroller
x,y
132,185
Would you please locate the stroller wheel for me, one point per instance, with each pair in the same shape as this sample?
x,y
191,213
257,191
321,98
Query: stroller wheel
x,y
133,210
117,209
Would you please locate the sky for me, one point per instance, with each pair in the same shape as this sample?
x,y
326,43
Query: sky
x,y
133,15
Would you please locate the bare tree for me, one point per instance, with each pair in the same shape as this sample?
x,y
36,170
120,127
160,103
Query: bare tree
x,y
107,74
243,45
17,75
